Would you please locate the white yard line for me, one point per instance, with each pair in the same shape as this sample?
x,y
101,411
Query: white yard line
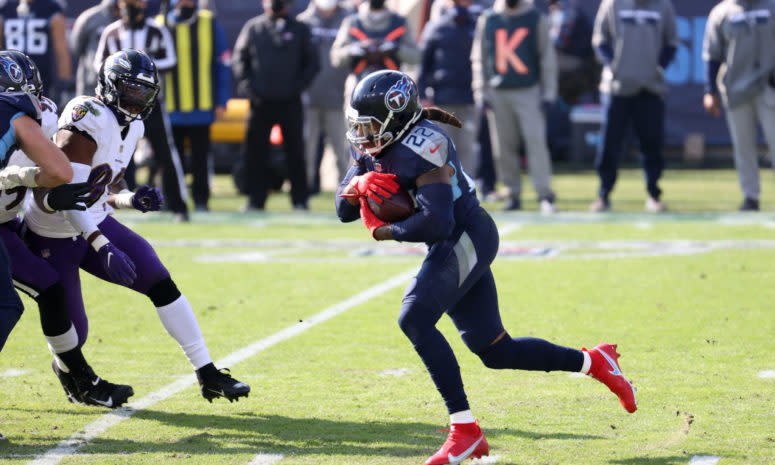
x,y
766,374
705,460
11,372
80,439
266,459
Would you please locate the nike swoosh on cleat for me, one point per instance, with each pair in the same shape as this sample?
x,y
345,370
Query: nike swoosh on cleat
x,y
615,371
455,460
96,381
110,254
107,403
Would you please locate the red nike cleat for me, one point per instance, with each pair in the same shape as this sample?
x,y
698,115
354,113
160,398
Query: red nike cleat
x,y
465,440
605,369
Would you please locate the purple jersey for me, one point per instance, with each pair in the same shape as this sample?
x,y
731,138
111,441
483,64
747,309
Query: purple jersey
x,y
31,33
423,148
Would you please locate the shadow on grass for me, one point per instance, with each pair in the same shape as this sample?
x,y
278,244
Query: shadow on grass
x,y
248,433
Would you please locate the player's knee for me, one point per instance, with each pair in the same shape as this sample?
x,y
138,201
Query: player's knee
x,y
164,292
414,322
499,355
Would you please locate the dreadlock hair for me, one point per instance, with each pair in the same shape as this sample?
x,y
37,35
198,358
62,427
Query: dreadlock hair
x,y
442,116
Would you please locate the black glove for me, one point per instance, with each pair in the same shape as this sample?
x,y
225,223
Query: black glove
x,y
68,196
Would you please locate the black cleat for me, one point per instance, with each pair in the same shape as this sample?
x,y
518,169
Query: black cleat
x,y
68,382
90,389
214,383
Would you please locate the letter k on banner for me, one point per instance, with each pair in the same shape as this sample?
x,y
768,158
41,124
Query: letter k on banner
x,y
504,50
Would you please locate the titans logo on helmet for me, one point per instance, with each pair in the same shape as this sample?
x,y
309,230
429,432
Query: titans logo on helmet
x,y
397,96
13,69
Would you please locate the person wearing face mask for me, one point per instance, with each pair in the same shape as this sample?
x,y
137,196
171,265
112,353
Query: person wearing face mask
x,y
445,74
515,76
37,28
274,61
371,39
198,88
324,99
135,31
84,39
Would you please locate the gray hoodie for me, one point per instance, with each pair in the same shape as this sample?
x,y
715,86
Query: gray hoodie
x,y
636,31
84,39
326,90
740,34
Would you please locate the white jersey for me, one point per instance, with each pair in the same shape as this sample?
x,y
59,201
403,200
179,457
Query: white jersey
x,y
12,200
91,118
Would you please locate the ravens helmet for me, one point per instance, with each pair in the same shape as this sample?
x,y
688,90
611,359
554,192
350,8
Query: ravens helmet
x,y
383,106
34,84
128,83
12,78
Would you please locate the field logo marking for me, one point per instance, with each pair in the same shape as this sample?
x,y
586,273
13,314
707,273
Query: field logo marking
x,y
82,438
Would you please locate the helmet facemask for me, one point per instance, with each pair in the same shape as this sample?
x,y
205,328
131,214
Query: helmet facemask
x,y
132,97
367,133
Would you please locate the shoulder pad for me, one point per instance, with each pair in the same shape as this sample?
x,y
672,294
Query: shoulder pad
x,y
427,142
86,114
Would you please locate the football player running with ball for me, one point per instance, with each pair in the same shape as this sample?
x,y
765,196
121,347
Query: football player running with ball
x,y
396,146
99,136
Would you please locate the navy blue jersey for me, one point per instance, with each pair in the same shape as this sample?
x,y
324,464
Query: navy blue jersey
x,y
423,148
12,105
31,34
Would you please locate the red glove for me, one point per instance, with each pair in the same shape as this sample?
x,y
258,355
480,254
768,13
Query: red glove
x,y
373,185
368,217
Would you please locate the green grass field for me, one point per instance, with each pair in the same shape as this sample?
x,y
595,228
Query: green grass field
x,y
687,295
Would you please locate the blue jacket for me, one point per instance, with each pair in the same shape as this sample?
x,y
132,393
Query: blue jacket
x,y
446,58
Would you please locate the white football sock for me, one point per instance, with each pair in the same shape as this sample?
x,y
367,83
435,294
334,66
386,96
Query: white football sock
x,y
180,322
62,343
587,363
461,417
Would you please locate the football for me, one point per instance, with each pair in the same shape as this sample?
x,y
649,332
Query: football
x,y
397,207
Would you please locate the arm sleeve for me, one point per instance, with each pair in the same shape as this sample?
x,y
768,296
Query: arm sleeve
x,y
548,61
428,46
711,75
434,221
240,62
713,43
344,210
310,60
601,34
221,72
670,32
408,51
102,51
169,59
666,56
480,80
78,36
340,57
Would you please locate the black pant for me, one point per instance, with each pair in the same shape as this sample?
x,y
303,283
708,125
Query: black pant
x,y
159,134
199,143
289,114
